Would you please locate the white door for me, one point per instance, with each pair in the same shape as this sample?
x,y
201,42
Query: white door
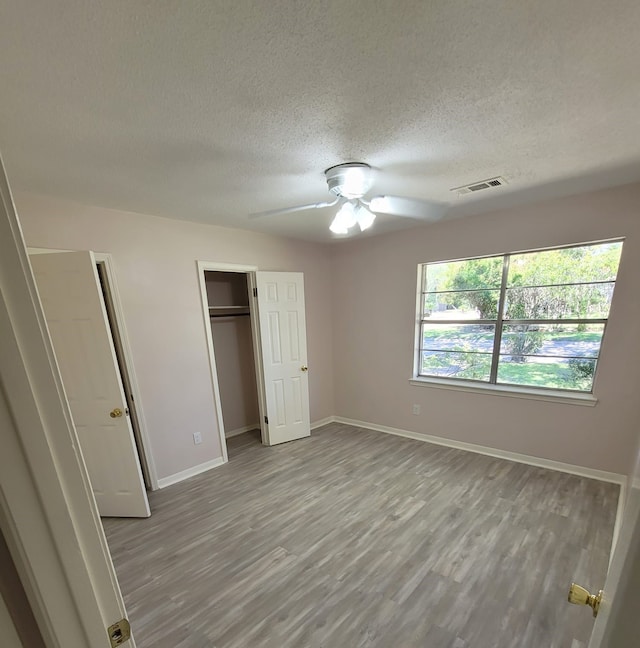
x,y
283,342
618,621
72,301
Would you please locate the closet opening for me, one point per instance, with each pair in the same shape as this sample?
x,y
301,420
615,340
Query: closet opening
x,y
229,297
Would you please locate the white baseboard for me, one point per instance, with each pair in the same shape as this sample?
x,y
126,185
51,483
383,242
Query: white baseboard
x,y
241,430
189,472
321,422
256,426
591,473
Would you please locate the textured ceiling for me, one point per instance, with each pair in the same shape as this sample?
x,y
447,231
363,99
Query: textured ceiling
x,y
210,110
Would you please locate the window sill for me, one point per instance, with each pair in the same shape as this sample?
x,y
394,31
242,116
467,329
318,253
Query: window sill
x,y
531,393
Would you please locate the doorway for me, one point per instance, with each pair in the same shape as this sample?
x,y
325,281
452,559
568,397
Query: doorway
x,y
274,304
231,329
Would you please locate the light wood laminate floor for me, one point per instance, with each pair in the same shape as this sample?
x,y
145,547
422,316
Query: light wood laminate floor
x,y
353,538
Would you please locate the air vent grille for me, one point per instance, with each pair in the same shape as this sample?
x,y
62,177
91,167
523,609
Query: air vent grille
x,y
480,185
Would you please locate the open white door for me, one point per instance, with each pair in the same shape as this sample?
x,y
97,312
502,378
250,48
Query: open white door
x,y
283,342
618,620
69,290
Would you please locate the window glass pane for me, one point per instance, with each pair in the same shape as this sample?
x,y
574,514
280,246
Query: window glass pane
x,y
554,373
554,295
569,340
464,275
569,265
476,304
559,302
456,364
459,337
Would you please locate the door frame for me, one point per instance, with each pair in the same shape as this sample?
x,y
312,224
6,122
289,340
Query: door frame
x,y
48,514
249,270
145,453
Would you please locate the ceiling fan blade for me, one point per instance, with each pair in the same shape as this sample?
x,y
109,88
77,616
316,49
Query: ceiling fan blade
x,y
421,210
289,210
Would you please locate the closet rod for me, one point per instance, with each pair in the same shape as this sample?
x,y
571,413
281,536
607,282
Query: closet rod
x,y
229,315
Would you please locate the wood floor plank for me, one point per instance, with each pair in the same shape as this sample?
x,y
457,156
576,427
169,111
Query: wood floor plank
x,y
354,538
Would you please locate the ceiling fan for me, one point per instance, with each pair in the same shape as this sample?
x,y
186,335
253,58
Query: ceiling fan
x,y
350,182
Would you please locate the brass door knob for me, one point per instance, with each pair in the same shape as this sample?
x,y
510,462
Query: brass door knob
x,y
115,413
304,368
580,596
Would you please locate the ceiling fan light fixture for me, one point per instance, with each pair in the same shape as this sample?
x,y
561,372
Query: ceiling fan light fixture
x,y
345,218
365,218
337,227
354,183
350,180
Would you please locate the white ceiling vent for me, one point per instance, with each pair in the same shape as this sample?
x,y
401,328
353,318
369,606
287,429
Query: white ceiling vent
x,y
479,186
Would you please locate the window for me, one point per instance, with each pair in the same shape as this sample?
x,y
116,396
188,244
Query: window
x,y
533,319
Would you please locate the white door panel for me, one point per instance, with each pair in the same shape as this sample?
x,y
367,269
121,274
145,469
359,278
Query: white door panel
x,y
283,341
71,298
618,621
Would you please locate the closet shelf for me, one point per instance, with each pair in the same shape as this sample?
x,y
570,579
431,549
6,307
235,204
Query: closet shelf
x,y
216,308
228,311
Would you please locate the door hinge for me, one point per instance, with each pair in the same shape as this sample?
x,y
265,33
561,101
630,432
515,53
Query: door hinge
x,y
266,420
255,292
119,632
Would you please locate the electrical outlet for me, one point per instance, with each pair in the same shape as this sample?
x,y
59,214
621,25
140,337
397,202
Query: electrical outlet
x,y
416,409
197,438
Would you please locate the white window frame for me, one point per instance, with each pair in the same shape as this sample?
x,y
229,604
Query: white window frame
x,y
492,387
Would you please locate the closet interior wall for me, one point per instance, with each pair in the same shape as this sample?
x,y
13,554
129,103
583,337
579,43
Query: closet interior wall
x,y
229,316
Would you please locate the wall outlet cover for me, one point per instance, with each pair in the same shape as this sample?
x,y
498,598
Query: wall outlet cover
x,y
197,438
416,409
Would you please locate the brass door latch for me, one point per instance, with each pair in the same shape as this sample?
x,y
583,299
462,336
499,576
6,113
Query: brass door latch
x,y
119,632
115,413
580,596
